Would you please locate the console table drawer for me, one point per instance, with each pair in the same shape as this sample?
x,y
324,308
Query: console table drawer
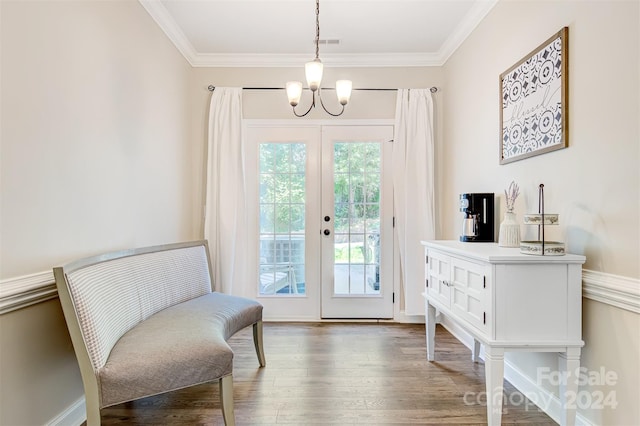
x,y
460,288
470,294
438,275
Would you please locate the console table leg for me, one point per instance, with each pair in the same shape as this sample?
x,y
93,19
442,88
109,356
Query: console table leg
x,y
569,364
494,376
475,355
430,328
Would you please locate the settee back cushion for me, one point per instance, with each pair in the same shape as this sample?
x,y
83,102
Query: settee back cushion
x,y
113,296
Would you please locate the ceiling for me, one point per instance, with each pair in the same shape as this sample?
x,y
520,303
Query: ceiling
x,y
281,33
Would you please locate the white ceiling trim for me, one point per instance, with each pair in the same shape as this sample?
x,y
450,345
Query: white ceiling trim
x,y
163,18
166,22
472,19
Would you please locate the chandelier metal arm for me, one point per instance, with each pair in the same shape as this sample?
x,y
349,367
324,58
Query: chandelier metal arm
x,y
313,104
326,110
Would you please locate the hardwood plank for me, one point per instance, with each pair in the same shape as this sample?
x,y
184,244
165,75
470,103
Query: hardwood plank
x,y
341,374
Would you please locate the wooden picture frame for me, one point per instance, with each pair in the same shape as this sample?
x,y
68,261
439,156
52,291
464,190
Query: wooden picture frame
x,y
534,114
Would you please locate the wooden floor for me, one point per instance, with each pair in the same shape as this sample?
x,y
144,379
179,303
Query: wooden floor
x,y
339,374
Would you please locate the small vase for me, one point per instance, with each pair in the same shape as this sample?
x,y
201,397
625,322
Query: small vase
x,y
509,231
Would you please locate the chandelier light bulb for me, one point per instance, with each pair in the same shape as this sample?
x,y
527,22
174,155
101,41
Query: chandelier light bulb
x,y
343,90
313,71
294,92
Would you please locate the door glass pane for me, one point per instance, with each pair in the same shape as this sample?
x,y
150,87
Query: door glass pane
x,y
282,219
357,218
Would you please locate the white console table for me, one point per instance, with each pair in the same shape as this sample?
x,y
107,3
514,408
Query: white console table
x,y
507,301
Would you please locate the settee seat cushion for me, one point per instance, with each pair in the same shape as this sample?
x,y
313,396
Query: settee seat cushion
x,y
177,347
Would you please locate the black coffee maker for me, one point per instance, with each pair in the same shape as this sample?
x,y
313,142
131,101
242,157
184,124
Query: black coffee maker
x,y
478,223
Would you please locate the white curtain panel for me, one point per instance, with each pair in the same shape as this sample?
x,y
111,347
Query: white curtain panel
x,y
225,224
413,182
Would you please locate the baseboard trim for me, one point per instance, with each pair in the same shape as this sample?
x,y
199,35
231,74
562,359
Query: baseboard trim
x,y
74,415
409,319
544,400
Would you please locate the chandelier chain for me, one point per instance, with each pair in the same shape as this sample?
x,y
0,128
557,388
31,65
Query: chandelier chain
x,y
313,72
317,29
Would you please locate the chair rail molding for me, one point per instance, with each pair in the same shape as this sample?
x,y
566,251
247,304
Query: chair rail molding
x,y
619,291
615,290
20,292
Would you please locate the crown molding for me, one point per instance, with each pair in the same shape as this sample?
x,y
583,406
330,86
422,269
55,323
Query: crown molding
x,y
472,19
165,21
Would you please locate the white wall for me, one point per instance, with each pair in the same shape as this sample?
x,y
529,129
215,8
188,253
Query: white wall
x,y
96,156
593,184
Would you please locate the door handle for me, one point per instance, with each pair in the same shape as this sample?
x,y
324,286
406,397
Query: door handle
x,y
326,232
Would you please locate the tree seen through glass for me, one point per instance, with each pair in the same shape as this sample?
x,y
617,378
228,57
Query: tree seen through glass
x,y
357,217
282,218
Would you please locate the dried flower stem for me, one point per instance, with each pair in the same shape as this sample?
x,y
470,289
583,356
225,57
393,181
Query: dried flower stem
x,y
511,194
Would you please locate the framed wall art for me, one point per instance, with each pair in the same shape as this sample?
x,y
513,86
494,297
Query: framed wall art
x,y
533,101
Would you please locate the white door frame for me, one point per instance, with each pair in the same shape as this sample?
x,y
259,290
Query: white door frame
x,y
292,123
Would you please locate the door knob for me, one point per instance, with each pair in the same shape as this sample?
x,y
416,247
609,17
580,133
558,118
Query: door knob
x,y
326,232
327,218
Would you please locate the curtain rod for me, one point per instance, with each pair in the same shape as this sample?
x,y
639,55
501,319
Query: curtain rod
x,y
212,88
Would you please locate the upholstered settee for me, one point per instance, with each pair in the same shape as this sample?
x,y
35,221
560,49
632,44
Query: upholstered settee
x,y
146,321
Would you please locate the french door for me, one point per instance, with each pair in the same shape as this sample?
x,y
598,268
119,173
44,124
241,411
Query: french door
x,y
321,220
357,227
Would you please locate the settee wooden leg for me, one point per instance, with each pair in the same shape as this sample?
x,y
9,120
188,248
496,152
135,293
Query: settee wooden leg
x,y
93,417
226,400
92,403
257,341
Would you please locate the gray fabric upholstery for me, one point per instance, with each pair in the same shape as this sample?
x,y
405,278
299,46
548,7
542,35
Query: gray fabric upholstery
x,y
112,297
179,346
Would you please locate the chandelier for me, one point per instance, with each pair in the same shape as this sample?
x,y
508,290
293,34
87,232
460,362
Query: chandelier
x,y
313,73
